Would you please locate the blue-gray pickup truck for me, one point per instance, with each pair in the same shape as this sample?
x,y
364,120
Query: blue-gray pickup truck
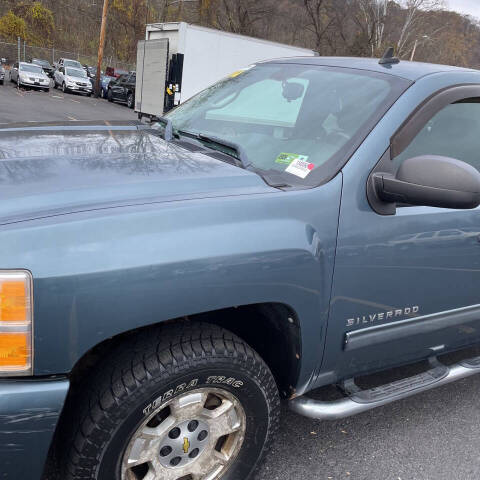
x,y
303,223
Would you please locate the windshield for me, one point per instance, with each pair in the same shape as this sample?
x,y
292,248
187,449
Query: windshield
x,y
73,72
301,122
31,68
72,63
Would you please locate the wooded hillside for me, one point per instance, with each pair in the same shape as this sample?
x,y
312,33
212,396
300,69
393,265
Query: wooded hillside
x,y
332,27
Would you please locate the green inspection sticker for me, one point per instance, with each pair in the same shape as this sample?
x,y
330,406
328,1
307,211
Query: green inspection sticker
x,y
288,158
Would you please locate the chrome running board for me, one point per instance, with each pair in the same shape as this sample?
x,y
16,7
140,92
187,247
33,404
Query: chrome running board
x,y
363,400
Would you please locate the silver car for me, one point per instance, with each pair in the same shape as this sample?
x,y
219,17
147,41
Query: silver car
x,y
29,75
72,80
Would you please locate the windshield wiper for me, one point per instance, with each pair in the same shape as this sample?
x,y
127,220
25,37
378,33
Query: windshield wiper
x,y
215,142
240,156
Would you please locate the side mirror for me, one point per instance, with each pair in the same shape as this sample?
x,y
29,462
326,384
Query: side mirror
x,y
431,181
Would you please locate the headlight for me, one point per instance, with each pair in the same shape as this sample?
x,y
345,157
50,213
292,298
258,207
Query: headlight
x,y
23,78
16,321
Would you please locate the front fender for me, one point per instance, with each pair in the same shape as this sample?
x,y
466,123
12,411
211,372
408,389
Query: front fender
x,y
101,273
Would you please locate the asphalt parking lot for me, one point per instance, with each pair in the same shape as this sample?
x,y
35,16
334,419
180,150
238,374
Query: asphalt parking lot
x,y
23,105
431,436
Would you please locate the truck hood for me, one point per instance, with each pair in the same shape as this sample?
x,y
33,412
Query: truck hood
x,y
53,169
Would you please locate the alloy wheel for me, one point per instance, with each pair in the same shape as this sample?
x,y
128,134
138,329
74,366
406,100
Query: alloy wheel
x,y
195,436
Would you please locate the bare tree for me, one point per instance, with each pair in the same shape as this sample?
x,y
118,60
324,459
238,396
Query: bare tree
x,y
415,12
319,20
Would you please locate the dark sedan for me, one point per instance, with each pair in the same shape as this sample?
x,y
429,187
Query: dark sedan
x,y
122,89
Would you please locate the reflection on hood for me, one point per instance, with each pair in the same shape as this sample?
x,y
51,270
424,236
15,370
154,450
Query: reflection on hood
x,y
44,170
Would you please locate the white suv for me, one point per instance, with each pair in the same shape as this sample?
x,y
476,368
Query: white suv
x,y
72,80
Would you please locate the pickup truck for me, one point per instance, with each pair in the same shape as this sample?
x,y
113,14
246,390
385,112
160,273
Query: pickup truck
x,y
303,223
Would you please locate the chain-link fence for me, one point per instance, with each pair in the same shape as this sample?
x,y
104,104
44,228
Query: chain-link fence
x,y
23,52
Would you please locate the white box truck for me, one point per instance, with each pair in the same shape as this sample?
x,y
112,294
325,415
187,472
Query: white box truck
x,y
178,60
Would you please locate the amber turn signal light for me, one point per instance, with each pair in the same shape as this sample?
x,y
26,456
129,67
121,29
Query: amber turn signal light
x,y
16,319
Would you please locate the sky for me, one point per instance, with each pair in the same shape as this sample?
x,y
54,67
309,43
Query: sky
x,y
470,7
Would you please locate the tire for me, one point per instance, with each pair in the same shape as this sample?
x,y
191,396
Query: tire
x,y
64,88
130,100
102,93
139,386
109,95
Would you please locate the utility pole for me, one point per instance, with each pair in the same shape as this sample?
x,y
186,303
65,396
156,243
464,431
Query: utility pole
x,y
18,50
101,46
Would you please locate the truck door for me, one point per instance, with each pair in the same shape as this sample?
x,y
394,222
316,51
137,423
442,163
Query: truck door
x,y
406,285
152,62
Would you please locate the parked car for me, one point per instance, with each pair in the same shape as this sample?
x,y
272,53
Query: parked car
x,y
47,68
122,89
105,81
92,71
67,62
2,74
92,74
29,75
185,276
72,80
115,72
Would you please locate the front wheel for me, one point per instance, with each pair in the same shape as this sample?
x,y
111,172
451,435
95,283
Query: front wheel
x,y
64,88
110,95
190,401
130,100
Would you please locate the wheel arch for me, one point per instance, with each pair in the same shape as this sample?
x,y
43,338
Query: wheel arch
x,y
271,329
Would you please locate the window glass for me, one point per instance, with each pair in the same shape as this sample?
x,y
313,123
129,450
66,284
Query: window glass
x,y
264,103
453,132
31,68
40,62
72,63
283,114
75,72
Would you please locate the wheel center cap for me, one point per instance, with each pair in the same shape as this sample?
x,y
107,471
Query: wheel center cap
x,y
184,443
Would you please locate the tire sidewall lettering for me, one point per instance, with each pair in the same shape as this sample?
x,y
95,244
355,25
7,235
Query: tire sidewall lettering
x,y
183,387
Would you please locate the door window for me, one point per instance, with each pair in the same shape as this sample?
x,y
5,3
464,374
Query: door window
x,y
453,132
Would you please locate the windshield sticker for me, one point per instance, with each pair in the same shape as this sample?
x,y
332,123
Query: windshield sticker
x,y
288,158
300,168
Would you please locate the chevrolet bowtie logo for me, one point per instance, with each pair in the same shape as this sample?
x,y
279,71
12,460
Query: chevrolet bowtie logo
x,y
186,445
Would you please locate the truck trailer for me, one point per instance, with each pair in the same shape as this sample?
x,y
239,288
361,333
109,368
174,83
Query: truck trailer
x,y
177,60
